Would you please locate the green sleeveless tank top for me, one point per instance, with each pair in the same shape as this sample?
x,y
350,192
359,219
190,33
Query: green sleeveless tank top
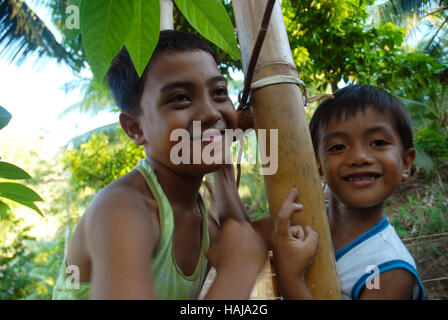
x,y
168,279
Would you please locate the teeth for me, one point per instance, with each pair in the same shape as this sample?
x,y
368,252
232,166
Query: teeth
x,y
366,178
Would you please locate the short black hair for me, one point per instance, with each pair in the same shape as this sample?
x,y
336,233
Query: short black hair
x,y
123,80
351,99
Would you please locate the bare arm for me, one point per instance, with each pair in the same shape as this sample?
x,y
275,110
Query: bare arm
x,y
396,284
238,256
121,239
230,206
294,249
228,201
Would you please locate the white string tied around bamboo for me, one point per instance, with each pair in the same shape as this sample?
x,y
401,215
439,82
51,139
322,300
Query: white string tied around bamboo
x,y
281,78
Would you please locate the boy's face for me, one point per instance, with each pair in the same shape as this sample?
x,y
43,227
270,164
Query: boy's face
x,y
361,158
181,88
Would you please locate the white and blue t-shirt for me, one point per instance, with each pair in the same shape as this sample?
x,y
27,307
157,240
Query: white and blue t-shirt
x,y
376,251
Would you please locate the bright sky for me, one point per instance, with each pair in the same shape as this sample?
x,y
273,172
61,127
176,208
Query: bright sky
x,y
33,94
35,98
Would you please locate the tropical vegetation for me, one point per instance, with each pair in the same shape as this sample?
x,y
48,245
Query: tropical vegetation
x,y
398,45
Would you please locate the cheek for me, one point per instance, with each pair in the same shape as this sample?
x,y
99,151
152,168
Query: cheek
x,y
327,167
394,172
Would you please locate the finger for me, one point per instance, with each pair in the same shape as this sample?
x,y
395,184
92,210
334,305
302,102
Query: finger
x,y
297,232
281,224
311,237
292,195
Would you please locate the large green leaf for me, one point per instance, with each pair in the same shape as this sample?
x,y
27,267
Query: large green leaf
x,y
210,19
30,205
5,116
18,192
10,171
144,33
72,21
4,208
105,26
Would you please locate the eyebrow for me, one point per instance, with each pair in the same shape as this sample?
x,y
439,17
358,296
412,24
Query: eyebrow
x,y
380,129
334,135
186,84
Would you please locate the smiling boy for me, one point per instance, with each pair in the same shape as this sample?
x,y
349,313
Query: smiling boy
x,y
146,235
363,144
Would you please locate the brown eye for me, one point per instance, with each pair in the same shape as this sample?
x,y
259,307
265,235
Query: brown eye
x,y
379,143
336,148
221,92
179,98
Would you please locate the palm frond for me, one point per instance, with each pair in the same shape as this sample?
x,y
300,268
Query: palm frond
x,y
96,97
408,13
23,33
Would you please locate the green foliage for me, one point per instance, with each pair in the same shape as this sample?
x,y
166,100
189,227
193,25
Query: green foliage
x,y
225,61
423,160
15,282
12,172
98,162
211,20
96,96
328,39
434,142
253,192
23,35
11,190
71,17
44,268
28,268
333,41
144,33
412,74
5,117
423,215
107,25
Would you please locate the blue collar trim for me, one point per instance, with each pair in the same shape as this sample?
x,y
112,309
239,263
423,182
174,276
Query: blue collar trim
x,y
383,224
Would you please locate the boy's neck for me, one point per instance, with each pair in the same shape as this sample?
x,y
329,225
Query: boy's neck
x,y
347,223
181,191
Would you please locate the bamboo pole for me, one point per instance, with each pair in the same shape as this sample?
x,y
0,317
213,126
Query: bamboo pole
x,y
280,106
166,15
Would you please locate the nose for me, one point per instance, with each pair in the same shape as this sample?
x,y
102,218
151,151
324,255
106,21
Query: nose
x,y
358,156
208,113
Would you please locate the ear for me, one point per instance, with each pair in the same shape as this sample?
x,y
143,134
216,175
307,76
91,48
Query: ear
x,y
319,168
407,163
131,125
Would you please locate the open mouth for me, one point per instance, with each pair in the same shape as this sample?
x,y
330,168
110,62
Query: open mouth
x,y
361,177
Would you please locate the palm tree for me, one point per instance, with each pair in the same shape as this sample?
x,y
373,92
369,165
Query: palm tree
x,y
23,33
411,13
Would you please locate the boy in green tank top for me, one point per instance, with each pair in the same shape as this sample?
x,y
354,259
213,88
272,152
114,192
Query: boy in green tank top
x,y
147,234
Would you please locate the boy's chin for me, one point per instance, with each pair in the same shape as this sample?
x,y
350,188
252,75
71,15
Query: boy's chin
x,y
362,203
198,169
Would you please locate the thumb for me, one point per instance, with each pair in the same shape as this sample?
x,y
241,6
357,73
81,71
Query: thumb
x,y
311,237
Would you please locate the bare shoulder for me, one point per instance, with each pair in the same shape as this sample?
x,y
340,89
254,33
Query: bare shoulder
x,y
121,230
125,208
122,216
395,284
